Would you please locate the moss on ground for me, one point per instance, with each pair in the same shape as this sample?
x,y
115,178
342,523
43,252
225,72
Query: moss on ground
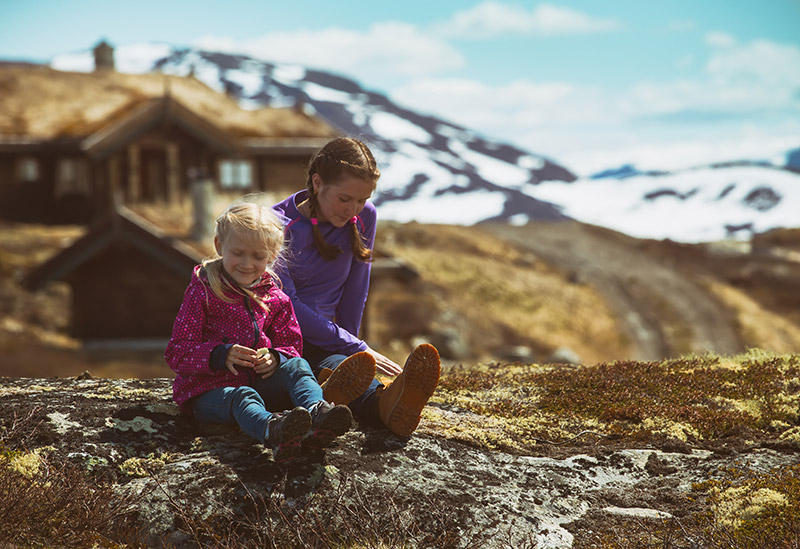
x,y
693,398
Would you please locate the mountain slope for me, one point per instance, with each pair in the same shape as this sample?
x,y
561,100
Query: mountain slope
x,y
433,171
708,203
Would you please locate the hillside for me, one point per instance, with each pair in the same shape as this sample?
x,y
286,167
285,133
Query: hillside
x,y
486,292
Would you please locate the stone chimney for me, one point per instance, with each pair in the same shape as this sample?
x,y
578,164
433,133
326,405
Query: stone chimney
x,y
103,57
202,191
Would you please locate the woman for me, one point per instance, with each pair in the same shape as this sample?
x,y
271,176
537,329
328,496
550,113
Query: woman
x,y
330,231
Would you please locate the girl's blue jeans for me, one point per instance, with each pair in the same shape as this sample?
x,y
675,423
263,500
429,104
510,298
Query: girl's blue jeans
x,y
365,407
292,384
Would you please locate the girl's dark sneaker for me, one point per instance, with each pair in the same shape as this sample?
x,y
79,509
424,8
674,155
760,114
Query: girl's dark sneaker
x,y
285,433
327,423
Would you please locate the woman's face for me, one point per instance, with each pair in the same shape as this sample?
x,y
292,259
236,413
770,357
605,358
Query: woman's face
x,y
341,200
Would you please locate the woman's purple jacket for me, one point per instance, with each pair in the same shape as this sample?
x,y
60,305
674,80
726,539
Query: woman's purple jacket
x,y
328,296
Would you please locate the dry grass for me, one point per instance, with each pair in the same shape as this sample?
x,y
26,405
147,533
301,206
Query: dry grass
x,y
493,294
346,516
47,503
507,296
43,316
759,326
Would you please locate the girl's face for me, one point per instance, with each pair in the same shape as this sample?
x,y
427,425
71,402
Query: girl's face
x,y
242,259
341,200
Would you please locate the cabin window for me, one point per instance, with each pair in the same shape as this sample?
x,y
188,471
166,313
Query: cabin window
x,y
28,169
235,174
71,177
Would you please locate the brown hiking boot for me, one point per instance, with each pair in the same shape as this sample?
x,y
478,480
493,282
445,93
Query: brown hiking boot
x,y
401,402
350,379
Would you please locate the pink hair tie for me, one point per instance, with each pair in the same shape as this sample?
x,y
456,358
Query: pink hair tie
x,y
354,219
314,221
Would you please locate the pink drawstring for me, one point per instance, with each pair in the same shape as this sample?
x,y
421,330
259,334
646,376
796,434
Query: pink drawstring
x,y
354,220
314,221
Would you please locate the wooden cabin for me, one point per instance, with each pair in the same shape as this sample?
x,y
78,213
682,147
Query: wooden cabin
x,y
128,276
93,147
74,144
127,279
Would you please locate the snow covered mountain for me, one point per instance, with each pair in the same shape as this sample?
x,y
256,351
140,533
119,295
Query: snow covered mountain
x,y
708,203
438,172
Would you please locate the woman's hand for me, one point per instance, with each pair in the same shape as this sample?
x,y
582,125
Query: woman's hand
x,y
238,355
266,365
384,364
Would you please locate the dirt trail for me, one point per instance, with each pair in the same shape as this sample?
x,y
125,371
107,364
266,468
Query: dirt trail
x,y
661,306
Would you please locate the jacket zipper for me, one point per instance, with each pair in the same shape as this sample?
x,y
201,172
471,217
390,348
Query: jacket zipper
x,y
255,324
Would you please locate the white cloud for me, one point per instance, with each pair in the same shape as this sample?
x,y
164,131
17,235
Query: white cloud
x,y
491,19
761,62
739,78
384,49
591,129
672,154
504,108
719,39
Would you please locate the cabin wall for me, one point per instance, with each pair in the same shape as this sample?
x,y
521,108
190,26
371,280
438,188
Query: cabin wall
x,y
158,167
123,293
36,200
282,175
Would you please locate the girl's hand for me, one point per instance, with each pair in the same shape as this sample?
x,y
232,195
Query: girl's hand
x,y
266,365
239,355
383,364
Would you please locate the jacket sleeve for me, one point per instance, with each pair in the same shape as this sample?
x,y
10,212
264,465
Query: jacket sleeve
x,y
350,310
187,353
283,330
317,329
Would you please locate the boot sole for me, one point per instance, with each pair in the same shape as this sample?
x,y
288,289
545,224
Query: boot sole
x,y
350,379
419,378
337,423
297,425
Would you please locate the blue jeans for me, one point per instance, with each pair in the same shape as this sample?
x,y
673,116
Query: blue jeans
x,y
292,384
365,407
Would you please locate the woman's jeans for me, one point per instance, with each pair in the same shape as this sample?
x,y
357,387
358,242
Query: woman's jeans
x,y
365,407
292,384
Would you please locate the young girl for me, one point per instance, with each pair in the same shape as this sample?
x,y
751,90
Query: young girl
x,y
236,344
330,229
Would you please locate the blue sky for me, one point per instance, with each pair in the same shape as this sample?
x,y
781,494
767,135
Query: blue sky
x,y
589,83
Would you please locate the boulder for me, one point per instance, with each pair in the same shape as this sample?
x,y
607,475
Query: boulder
x,y
187,483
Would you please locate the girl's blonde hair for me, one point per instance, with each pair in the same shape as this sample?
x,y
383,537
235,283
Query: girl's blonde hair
x,y
259,225
339,158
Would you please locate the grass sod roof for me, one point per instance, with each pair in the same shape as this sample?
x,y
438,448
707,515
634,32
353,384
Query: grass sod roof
x,y
124,225
43,103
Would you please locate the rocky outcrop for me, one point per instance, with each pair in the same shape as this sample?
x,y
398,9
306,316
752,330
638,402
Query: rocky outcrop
x,y
183,479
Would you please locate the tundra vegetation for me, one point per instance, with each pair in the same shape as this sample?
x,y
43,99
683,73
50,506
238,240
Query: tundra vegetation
x,y
58,490
721,404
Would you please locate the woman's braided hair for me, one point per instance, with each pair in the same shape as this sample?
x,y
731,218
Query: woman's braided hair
x,y
340,157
